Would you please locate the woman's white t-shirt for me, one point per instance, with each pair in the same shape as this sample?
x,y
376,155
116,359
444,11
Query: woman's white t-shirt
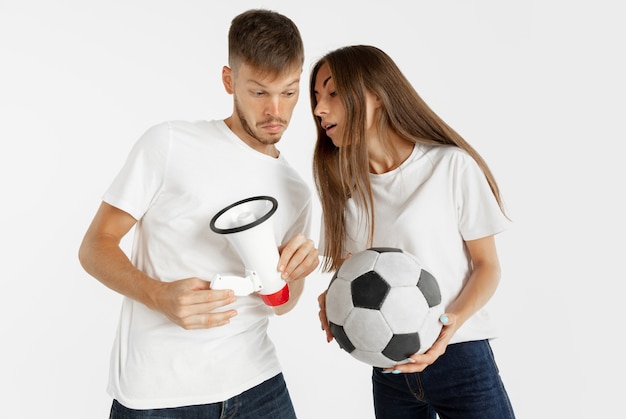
x,y
437,199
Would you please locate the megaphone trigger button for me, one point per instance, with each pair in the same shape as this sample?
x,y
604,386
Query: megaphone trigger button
x,y
257,284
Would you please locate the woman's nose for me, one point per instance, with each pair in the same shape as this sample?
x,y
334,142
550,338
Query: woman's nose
x,y
320,109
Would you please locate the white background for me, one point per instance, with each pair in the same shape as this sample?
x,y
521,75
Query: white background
x,y
536,86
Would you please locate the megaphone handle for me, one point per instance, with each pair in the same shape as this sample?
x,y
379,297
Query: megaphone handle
x,y
241,286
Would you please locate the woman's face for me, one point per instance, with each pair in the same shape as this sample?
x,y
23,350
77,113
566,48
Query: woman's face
x,y
329,108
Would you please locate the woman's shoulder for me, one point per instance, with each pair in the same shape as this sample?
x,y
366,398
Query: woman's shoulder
x,y
444,153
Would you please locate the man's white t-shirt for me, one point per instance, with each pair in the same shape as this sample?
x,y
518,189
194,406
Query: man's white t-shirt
x,y
437,199
176,178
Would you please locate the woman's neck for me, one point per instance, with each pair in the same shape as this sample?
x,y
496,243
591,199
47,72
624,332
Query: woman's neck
x,y
385,159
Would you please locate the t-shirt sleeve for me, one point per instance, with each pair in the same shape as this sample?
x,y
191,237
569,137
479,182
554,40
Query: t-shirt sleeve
x,y
139,182
479,212
302,221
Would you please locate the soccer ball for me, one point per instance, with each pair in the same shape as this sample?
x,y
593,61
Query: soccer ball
x,y
383,307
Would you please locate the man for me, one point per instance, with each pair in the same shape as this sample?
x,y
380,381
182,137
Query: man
x,y
183,349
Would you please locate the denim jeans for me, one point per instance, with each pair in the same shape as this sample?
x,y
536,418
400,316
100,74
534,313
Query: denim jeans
x,y
269,399
463,383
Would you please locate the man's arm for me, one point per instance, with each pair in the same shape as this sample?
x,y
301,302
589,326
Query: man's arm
x,y
187,302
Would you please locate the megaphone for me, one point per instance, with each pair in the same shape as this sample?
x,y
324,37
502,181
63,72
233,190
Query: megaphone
x,y
248,226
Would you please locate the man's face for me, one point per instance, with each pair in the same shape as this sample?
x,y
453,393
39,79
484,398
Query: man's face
x,y
263,104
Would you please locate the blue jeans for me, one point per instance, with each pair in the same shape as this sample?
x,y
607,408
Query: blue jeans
x,y
269,399
464,383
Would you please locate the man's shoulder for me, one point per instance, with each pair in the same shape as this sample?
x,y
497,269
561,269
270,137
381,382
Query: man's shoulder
x,y
200,126
186,130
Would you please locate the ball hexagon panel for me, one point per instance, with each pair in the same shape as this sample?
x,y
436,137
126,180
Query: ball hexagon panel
x,y
367,329
405,310
374,358
429,332
338,301
398,269
357,265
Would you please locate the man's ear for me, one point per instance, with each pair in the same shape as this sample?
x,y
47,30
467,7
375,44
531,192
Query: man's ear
x,y
227,79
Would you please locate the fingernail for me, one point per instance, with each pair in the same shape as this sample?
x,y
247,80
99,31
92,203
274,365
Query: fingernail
x,y
444,319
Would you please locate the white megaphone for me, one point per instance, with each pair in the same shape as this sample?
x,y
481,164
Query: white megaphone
x,y
248,226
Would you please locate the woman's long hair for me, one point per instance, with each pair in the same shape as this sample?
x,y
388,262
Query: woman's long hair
x,y
343,172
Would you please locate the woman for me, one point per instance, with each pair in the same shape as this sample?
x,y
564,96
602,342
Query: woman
x,y
391,173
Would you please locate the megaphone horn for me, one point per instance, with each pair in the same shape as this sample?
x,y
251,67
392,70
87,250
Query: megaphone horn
x,y
248,226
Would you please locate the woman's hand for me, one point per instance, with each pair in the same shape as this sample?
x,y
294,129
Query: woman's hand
x,y
322,315
418,363
479,288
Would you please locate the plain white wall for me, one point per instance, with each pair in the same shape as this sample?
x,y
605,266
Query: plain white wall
x,y
536,86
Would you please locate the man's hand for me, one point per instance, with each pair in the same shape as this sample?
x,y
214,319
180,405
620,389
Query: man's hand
x,y
298,258
192,304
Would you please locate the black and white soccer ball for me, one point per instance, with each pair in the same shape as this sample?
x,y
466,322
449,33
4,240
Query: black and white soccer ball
x,y
383,307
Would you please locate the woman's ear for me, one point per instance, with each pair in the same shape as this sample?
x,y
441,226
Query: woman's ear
x,y
378,101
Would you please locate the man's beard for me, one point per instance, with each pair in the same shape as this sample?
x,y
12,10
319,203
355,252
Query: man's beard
x,y
248,129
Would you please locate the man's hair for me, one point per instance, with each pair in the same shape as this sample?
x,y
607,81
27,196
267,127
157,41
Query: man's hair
x,y
265,40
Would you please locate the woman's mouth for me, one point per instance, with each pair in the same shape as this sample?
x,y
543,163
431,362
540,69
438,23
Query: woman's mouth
x,y
328,128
